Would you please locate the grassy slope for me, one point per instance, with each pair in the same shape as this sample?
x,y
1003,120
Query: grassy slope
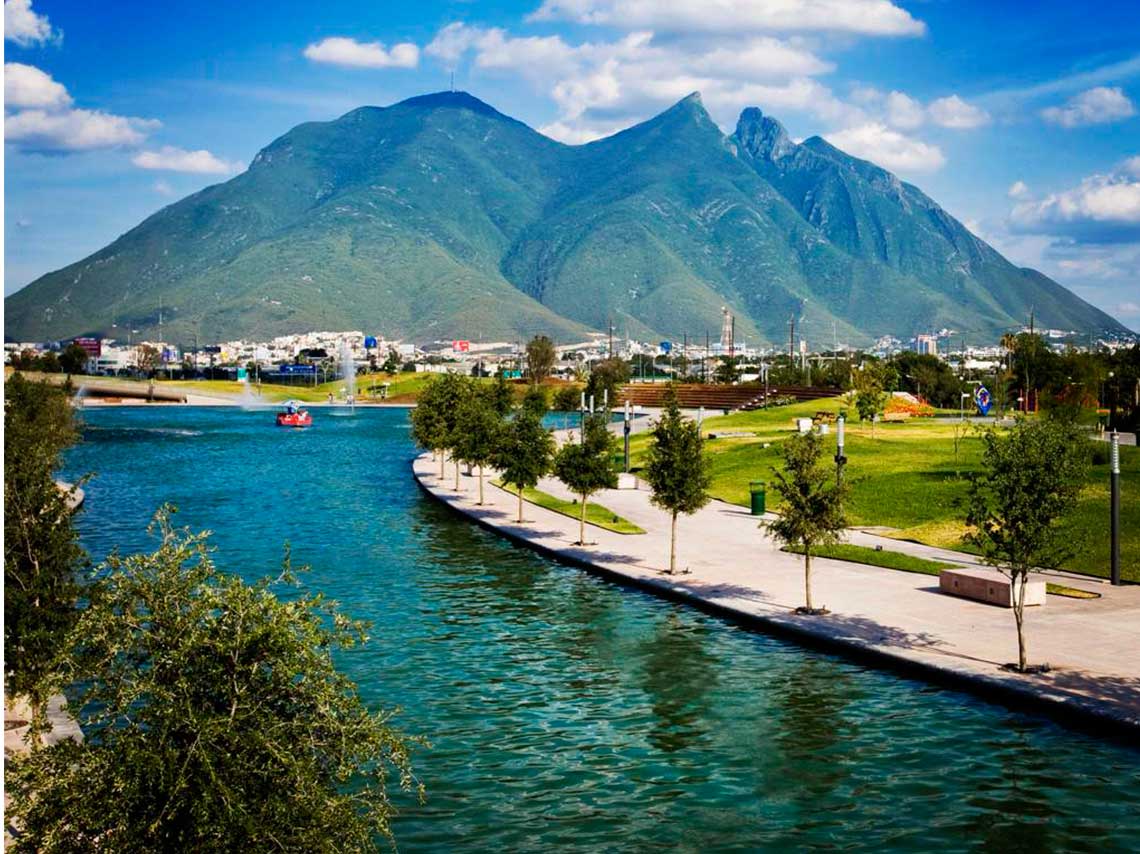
x,y
403,388
906,478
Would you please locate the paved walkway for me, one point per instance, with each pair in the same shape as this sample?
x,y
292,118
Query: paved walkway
x,y
733,568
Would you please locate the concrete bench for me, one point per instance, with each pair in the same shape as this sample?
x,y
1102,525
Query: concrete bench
x,y
988,585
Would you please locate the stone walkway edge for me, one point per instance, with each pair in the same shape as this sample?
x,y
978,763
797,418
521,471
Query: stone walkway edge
x,y
1018,692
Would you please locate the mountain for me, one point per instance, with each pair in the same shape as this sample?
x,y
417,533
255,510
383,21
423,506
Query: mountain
x,y
440,217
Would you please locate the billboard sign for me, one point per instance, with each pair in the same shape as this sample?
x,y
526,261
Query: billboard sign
x,y
461,346
298,369
666,347
93,346
369,342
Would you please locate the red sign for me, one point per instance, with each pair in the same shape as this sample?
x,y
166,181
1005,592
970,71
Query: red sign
x,y
460,346
93,346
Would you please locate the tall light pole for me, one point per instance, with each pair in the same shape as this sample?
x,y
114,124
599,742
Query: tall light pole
x,y
1114,478
626,430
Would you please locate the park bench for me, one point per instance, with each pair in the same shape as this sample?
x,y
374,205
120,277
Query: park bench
x,y
988,585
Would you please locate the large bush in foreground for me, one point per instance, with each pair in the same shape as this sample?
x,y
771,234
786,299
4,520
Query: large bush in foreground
x,y
214,718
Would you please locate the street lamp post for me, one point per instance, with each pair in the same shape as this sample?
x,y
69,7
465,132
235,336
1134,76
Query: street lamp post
x,y
1114,479
627,429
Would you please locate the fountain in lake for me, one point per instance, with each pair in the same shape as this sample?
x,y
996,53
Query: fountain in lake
x,y
348,373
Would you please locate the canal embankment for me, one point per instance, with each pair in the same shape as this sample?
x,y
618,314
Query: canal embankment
x,y
885,617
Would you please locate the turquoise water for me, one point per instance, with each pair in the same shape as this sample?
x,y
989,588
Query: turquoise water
x,y
569,714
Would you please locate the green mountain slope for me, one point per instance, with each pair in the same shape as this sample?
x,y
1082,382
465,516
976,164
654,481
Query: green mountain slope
x,y
440,217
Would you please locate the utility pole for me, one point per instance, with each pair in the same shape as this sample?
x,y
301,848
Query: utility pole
x,y
732,340
840,460
705,367
1114,477
792,339
611,338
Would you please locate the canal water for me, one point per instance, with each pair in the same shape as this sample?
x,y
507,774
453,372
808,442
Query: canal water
x,y
566,713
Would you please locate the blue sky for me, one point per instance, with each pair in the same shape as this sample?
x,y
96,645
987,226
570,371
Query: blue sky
x,y
1022,119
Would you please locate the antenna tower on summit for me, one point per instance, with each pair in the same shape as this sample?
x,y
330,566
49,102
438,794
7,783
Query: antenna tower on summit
x,y
725,329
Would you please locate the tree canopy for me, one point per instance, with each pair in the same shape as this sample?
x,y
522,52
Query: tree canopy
x,y
214,720
540,358
812,511
524,453
41,548
586,467
676,468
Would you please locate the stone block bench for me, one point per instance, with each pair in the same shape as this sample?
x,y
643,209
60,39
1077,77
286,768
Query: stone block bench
x,y
988,585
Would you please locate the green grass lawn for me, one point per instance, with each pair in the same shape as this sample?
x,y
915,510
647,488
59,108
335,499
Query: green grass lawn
x,y
907,478
910,563
596,514
402,386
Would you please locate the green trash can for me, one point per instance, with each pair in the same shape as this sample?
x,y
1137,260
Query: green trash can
x,y
756,488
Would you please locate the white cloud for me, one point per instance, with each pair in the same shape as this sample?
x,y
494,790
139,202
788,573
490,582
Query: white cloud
x,y
1018,190
1129,308
867,17
1131,166
888,148
163,189
1100,105
172,159
74,130
27,86
45,120
338,50
24,27
904,112
1101,209
953,112
600,87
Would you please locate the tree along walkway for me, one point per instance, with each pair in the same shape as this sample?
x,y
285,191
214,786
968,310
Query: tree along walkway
x,y
731,567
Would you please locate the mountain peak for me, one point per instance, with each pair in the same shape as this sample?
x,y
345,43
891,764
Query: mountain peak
x,y
450,99
763,136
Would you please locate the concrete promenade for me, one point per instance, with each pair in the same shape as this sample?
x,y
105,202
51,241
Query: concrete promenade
x,y
729,566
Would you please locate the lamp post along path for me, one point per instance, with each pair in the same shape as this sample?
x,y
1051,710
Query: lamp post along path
x,y
1114,478
840,460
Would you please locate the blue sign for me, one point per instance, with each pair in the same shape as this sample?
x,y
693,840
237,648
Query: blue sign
x,y
298,369
369,343
666,346
982,400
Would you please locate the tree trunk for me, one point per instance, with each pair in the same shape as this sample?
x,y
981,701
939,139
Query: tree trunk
x,y
457,475
442,463
480,485
520,504
807,577
582,523
673,545
1019,583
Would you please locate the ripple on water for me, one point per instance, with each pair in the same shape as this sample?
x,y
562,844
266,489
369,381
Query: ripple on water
x,y
566,713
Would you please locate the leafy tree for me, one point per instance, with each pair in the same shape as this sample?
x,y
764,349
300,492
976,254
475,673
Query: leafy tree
x,y
568,398
676,468
524,453
536,401
586,467
476,431
392,363
215,720
73,359
812,511
147,359
41,548
500,396
870,392
49,363
1030,480
727,370
540,358
606,379
434,415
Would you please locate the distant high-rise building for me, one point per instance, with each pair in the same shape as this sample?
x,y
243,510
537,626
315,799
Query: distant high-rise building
x,y
926,345
726,341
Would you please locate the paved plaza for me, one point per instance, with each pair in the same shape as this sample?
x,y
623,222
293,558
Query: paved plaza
x,y
726,562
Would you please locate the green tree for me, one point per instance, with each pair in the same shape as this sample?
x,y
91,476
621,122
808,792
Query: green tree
x,y
1029,481
536,401
540,358
41,548
568,398
727,370
676,468
392,363
606,379
586,467
73,359
476,432
501,396
147,359
525,452
812,503
870,392
215,720
434,415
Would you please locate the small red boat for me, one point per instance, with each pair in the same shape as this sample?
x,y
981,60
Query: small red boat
x,y
294,415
